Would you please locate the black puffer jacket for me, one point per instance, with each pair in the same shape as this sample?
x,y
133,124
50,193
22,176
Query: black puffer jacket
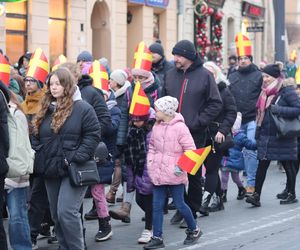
x,y
95,98
225,120
197,93
4,139
269,146
79,137
245,86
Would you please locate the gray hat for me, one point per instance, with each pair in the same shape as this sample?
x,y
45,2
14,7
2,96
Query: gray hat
x,y
119,76
167,105
85,56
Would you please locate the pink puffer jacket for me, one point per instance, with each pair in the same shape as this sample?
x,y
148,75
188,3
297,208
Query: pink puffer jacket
x,y
169,140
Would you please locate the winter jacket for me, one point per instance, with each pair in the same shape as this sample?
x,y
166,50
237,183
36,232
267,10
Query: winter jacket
x,y
4,139
291,70
235,160
79,135
169,140
245,86
198,96
269,145
142,184
119,94
95,98
152,93
161,68
226,118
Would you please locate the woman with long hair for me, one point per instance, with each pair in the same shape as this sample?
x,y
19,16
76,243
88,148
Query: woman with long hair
x,y
72,122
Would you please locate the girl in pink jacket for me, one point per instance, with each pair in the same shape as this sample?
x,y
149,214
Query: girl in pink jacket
x,y
169,140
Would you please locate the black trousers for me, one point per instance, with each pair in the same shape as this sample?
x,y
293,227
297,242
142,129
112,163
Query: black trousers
x,y
3,242
145,203
291,170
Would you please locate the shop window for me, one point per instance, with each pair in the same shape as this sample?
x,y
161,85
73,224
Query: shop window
x,y
57,28
16,30
156,27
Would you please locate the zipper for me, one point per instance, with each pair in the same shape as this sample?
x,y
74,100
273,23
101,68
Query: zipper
x,y
183,90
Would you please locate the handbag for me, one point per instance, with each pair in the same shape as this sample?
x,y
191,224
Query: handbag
x,y
287,127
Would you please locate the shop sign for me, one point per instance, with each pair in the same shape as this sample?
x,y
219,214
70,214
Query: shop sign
x,y
216,3
255,29
152,3
251,10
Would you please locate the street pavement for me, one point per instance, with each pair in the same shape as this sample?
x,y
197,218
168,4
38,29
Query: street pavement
x,y
240,226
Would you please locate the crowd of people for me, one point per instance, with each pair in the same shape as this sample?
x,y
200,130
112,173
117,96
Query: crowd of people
x,y
139,121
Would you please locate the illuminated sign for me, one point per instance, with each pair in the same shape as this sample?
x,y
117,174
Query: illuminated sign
x,y
252,10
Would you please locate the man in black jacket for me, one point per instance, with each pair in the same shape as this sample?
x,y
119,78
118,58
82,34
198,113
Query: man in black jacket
x,y
245,86
4,147
199,103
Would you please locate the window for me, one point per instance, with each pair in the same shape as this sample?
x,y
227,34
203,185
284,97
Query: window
x,y
16,30
57,28
155,27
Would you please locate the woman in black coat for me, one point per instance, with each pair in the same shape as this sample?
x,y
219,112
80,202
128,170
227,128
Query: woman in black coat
x,y
281,100
71,130
218,130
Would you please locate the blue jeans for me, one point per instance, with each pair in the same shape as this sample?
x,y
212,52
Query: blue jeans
x,y
159,196
18,225
250,156
3,242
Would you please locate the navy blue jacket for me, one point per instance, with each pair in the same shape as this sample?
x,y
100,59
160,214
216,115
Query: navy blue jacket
x,y
269,146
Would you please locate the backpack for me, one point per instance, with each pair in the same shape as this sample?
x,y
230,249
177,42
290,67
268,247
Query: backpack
x,y
20,155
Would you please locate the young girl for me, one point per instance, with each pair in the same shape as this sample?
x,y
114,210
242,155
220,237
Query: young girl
x,y
169,140
234,163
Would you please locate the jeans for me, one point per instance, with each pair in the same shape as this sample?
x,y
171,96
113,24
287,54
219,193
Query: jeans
x,y
18,226
3,242
250,156
65,202
159,196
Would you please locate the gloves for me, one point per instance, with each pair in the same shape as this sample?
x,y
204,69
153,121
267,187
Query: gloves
x,y
275,109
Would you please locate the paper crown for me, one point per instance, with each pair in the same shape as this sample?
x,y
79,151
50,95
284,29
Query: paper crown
x,y
4,70
142,57
293,55
243,45
38,66
192,160
99,74
60,60
140,104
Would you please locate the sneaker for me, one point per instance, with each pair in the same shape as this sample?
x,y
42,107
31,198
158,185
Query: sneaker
x,y
177,218
171,206
283,195
254,199
241,193
192,236
45,230
53,240
291,198
217,204
105,231
34,245
145,237
154,243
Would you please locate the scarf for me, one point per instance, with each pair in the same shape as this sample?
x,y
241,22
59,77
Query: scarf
x,y
148,82
135,151
122,90
32,103
267,94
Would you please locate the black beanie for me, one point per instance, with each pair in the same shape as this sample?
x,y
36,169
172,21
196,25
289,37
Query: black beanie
x,y
186,49
157,48
272,70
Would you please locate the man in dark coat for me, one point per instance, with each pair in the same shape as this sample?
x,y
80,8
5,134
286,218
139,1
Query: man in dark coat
x,y
4,147
199,103
245,86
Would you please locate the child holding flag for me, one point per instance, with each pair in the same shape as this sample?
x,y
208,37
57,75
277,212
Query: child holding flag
x,y
169,140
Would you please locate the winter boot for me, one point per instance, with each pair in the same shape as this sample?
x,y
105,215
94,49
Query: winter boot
x,y
123,213
224,195
254,199
105,231
283,195
241,193
217,204
291,198
249,191
204,209
92,214
111,195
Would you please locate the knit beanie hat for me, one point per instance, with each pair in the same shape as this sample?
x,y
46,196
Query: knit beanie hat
x,y
85,56
167,105
272,70
119,76
186,49
157,48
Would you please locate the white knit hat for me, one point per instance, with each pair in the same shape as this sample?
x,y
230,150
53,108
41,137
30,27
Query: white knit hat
x,y
167,105
119,76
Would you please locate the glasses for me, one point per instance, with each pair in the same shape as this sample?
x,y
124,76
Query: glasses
x,y
30,81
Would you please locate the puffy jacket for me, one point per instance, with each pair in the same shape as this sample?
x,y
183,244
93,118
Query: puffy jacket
x,y
4,139
198,96
95,98
79,135
245,86
169,140
235,160
269,146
